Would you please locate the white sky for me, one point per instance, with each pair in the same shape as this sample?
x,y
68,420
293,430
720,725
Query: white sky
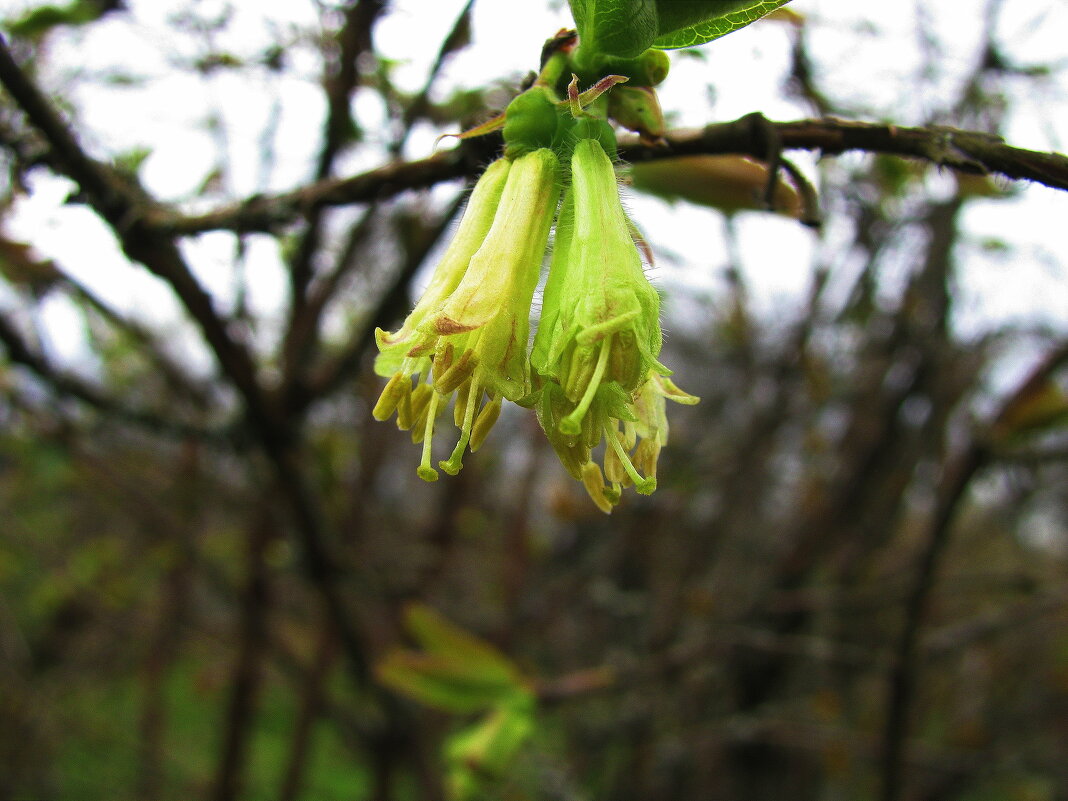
x,y
868,53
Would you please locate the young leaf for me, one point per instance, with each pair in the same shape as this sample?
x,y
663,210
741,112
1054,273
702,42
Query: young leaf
x,y
456,672
448,684
688,23
485,750
625,28
441,638
622,28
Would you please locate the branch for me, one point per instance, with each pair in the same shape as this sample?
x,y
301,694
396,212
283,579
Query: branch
x,y
353,40
268,212
19,351
967,151
127,208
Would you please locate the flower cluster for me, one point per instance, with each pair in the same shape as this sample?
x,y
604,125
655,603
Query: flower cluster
x,y
592,373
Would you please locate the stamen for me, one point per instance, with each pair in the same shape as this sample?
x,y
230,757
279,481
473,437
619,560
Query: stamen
x,y
460,370
425,471
442,361
574,459
594,483
572,424
614,470
672,392
625,363
397,386
646,455
405,416
486,418
454,464
459,410
421,396
645,486
580,367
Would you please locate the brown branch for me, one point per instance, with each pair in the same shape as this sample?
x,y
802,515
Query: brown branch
x,y
65,384
126,208
967,151
268,212
353,40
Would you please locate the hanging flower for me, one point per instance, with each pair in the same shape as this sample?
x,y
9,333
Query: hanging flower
x,y
599,338
469,333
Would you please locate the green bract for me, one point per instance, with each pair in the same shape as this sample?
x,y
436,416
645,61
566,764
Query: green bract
x,y
531,121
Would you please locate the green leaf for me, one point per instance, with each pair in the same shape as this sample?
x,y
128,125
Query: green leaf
x,y
485,750
451,685
622,28
441,638
39,21
625,28
456,672
680,26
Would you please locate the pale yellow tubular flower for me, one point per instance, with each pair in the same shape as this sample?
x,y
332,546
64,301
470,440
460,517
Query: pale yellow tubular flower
x,y
485,319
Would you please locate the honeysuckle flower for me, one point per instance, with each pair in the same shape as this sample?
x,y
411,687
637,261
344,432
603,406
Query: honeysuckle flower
x,y
598,340
406,350
600,315
468,335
